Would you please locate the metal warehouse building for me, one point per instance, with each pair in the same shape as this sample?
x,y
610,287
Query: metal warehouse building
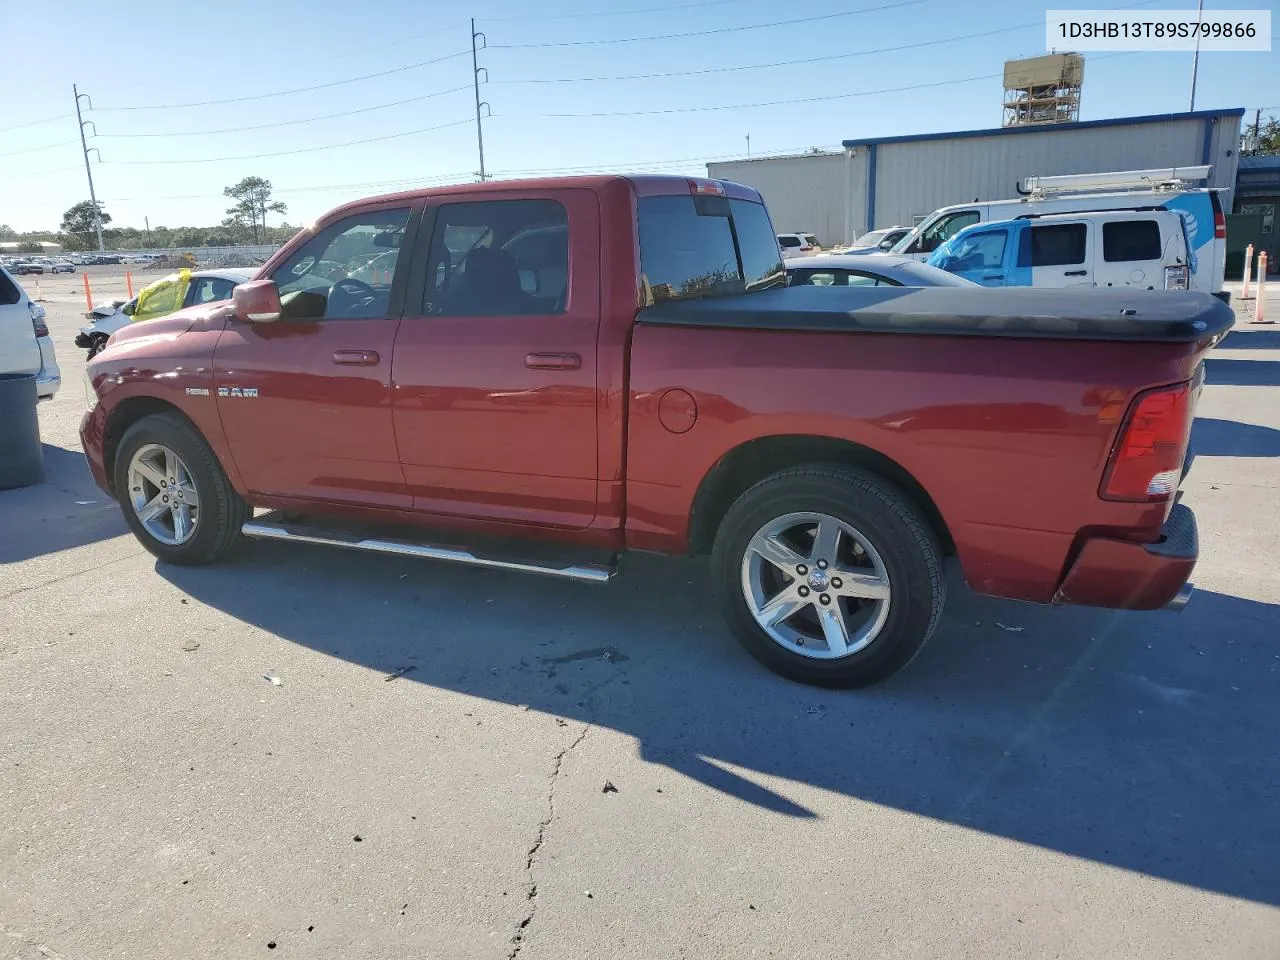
x,y
893,181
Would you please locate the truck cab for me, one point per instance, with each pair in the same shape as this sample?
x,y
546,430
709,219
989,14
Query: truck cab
x,y
1118,248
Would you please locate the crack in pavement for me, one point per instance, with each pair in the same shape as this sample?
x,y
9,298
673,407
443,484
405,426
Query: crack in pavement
x,y
531,892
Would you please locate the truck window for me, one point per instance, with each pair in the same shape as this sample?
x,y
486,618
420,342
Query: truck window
x,y
975,251
705,245
328,278
943,229
1052,245
789,241
499,258
1131,240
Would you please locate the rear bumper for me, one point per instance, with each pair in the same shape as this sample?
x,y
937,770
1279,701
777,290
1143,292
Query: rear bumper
x,y
1135,576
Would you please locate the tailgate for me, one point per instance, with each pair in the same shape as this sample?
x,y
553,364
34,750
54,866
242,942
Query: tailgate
x,y
19,351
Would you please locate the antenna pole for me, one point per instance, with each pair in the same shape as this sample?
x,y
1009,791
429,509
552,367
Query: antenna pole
x,y
1195,63
84,146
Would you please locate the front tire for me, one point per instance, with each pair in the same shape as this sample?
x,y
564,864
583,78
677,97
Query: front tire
x,y
828,575
175,496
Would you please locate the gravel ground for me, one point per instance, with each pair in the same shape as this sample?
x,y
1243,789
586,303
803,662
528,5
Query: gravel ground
x,y
1041,782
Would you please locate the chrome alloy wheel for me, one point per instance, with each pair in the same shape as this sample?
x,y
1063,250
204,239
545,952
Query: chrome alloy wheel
x,y
163,494
815,585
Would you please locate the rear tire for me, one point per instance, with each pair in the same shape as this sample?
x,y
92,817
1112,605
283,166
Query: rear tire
x,y
214,524
852,558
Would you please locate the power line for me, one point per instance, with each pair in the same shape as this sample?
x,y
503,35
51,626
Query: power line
x,y
47,146
36,123
284,93
287,153
610,13
286,123
708,33
780,63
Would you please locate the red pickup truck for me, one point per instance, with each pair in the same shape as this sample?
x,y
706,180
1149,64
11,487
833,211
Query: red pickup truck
x,y
556,371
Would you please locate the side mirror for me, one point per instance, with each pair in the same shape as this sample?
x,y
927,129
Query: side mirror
x,y
257,301
128,308
885,244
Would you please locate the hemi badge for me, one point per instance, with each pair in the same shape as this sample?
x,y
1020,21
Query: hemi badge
x,y
197,391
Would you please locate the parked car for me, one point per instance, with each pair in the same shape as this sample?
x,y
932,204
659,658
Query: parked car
x,y
25,344
205,286
1137,190
798,245
877,240
828,452
24,267
868,270
1108,249
62,266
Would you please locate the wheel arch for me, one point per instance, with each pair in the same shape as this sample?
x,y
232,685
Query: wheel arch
x,y
749,463
125,414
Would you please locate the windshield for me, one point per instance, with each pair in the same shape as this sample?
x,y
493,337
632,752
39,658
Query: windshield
x,y
871,239
696,246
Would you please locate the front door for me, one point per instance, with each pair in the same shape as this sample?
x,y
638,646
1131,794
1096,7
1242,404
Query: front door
x,y
306,400
495,368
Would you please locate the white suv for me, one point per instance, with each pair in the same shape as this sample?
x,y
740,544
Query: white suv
x,y
25,344
798,245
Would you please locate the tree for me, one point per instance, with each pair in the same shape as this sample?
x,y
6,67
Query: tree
x,y
7,232
253,196
79,225
30,246
1267,141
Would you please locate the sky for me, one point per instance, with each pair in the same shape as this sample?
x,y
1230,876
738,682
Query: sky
x,y
571,87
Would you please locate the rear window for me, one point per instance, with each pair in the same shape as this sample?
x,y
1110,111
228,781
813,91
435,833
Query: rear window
x,y
810,240
700,246
789,241
1052,245
9,292
1131,240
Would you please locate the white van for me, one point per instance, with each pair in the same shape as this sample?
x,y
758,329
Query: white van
x,y
1137,190
1109,248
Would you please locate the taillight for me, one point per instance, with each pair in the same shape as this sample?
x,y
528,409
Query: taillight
x,y
1147,462
37,319
1175,278
1219,225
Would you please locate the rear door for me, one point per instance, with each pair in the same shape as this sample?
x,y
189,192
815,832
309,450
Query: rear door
x,y
495,400
1131,251
1057,254
19,351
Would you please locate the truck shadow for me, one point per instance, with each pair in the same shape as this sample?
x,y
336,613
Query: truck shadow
x,y
1230,438
1221,372
1144,741
67,510
1251,340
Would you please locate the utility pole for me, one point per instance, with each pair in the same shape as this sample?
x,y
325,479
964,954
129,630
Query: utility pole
x,y
147,221
1195,63
475,82
1257,130
748,146
93,197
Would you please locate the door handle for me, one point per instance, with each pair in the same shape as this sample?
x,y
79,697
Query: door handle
x,y
553,361
1075,273
356,358
993,276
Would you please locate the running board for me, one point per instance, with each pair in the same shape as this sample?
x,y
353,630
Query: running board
x,y
507,556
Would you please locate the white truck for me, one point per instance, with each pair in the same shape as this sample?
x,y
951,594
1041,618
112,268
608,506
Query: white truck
x,y
1140,190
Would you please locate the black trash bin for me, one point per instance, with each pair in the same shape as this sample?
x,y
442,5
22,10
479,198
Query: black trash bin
x,y
21,456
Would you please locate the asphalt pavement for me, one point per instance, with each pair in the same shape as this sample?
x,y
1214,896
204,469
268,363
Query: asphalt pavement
x,y
461,763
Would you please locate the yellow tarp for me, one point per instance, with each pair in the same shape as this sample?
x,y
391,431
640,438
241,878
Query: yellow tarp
x,y
162,297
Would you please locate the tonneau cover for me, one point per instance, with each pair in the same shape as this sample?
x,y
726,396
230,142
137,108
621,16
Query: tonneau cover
x,y
1131,315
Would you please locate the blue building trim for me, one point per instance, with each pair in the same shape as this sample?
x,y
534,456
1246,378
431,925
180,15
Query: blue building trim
x,y
1207,115
871,187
